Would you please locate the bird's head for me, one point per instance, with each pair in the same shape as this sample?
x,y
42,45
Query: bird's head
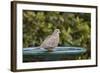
x,y
56,31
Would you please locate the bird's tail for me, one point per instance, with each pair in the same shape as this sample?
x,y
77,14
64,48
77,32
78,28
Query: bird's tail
x,y
39,47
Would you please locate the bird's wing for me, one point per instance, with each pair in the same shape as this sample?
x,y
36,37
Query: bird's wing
x,y
45,41
50,41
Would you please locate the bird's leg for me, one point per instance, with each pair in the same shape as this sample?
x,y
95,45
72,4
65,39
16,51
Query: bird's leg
x,y
49,50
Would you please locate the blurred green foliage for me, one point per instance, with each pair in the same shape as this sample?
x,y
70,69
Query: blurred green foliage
x,y
75,28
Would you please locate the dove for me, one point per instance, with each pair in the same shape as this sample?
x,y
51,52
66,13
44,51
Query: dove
x,y
51,41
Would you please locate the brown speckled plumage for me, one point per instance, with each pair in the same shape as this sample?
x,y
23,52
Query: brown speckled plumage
x,y
51,41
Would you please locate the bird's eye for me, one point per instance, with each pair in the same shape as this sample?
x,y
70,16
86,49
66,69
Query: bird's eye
x,y
57,31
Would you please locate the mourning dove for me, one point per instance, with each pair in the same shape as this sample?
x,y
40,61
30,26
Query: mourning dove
x,y
51,41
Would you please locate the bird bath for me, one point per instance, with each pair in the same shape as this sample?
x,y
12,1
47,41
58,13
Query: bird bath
x,y
35,54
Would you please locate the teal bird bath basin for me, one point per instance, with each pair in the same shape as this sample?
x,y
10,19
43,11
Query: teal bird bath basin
x,y
35,54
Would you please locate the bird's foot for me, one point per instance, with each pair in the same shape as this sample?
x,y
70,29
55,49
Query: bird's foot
x,y
49,50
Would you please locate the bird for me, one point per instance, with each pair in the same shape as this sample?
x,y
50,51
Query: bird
x,y
51,41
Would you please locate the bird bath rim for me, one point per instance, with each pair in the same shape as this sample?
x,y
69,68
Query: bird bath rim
x,y
69,50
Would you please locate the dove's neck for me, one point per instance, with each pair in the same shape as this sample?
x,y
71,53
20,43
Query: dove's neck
x,y
57,34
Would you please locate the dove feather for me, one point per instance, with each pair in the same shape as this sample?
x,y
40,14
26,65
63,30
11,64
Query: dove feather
x,y
51,41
